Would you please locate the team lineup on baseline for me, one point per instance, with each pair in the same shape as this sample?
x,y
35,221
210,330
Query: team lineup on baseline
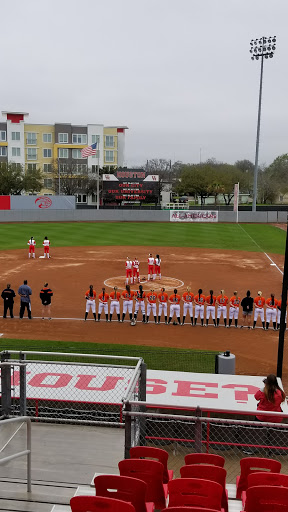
x,y
154,302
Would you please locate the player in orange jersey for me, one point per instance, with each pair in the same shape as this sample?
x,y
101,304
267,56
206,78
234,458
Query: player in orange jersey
x,y
259,302
90,297
135,268
187,298
128,267
114,298
279,314
140,303
174,300
235,302
199,300
127,297
103,304
210,307
222,301
163,299
151,305
271,311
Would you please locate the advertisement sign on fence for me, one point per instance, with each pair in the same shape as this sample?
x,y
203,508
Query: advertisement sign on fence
x,y
43,203
193,216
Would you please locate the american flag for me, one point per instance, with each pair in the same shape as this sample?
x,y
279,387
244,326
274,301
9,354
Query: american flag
x,y
89,150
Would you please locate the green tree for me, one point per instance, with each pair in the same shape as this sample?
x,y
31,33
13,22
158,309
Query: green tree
x,y
278,172
13,179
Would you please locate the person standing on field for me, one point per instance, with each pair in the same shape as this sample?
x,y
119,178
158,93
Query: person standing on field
x,y
128,266
271,311
234,309
45,296
157,267
46,244
187,298
247,307
127,297
151,305
259,302
140,303
25,303
103,304
174,300
114,297
150,267
210,307
136,272
163,299
8,297
90,297
31,244
199,300
222,301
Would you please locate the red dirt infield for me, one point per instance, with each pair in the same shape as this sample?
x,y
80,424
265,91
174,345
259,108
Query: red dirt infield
x,y
70,271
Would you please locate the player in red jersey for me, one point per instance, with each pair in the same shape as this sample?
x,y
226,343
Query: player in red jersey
x,y
31,244
271,311
199,300
150,266
187,298
222,301
128,266
114,298
140,303
210,307
259,302
127,297
174,300
163,299
103,304
157,267
135,268
151,305
235,302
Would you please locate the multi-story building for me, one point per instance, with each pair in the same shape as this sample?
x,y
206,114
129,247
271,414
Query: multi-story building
x,y
56,149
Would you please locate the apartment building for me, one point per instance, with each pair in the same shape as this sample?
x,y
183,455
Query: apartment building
x,y
56,149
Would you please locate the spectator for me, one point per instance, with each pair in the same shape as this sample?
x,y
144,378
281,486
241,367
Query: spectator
x,y
247,306
270,399
8,296
25,291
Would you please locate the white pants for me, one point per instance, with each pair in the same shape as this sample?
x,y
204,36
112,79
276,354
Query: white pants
x,y
271,314
101,306
90,304
127,305
259,311
151,306
222,310
114,305
199,310
162,307
175,308
233,313
188,306
210,310
279,316
140,305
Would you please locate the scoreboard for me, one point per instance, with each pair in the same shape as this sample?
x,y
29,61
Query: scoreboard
x,y
130,186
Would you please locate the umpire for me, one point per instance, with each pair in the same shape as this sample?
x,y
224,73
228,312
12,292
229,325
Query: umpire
x,y
25,291
8,296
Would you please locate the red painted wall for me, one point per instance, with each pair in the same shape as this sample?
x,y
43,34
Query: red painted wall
x,y
5,203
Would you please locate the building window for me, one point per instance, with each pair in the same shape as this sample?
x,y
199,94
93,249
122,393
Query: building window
x,y
63,138
3,151
47,153
15,151
81,198
48,183
93,198
47,137
31,167
47,167
109,156
2,136
31,154
109,141
79,138
62,167
96,138
15,135
76,153
31,138
62,153
81,168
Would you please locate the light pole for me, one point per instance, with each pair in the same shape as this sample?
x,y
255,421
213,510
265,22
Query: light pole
x,y
260,49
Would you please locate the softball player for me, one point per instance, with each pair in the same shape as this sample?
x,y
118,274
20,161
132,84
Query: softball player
x,y
187,298
221,302
135,267
140,303
128,266
199,300
127,297
271,311
279,314
157,267
31,244
90,297
150,266
151,305
235,302
259,302
114,297
103,304
175,306
210,308
46,244
163,299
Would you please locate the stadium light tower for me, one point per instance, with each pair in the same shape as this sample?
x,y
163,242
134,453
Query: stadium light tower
x,y
262,48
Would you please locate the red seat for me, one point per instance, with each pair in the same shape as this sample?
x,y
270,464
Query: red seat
x,y
263,478
205,458
267,499
99,504
189,509
254,465
124,488
151,472
195,492
207,472
149,452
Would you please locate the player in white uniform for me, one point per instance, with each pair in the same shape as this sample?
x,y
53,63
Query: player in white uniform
x,y
114,297
136,272
157,267
31,244
151,305
150,266
128,265
46,244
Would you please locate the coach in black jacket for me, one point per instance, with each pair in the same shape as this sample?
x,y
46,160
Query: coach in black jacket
x,y
8,296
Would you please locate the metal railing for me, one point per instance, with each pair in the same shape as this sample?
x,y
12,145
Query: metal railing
x,y
27,452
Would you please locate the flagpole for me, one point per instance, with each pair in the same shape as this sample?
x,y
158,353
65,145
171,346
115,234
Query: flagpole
x,y
98,175
237,203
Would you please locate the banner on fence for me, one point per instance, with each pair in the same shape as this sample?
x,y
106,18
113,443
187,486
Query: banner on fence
x,y
37,202
193,216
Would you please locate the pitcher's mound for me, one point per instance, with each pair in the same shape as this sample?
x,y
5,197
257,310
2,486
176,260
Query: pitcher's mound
x,y
169,283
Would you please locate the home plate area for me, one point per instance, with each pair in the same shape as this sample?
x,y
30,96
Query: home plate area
x,y
169,283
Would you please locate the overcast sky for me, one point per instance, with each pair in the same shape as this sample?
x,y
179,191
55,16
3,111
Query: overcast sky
x,y
177,73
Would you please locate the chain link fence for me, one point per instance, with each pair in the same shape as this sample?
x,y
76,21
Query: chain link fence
x,y
85,388
186,431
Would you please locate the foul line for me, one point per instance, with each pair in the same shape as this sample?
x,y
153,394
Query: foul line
x,y
273,264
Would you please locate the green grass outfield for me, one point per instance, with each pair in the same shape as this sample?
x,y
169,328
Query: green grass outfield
x,y
156,358
154,234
